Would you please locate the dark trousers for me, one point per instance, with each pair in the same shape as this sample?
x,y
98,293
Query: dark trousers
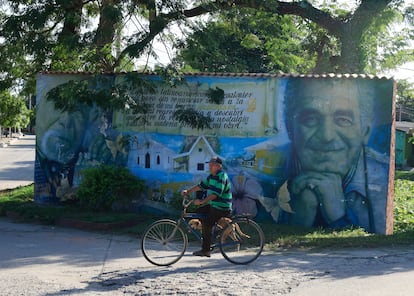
x,y
213,215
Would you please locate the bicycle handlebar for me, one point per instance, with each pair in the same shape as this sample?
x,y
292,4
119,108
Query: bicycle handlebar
x,y
187,202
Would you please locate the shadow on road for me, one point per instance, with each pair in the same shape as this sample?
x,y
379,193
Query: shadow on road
x,y
15,173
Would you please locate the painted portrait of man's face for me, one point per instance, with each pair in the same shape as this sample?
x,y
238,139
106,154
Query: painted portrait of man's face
x,y
326,130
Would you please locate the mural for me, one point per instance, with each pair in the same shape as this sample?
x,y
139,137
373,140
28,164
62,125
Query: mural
x,y
300,150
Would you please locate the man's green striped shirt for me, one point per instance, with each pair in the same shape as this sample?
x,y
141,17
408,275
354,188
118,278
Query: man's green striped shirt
x,y
220,186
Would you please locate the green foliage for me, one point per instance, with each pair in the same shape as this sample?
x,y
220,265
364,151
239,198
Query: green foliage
x,y
251,41
247,36
98,89
281,236
104,91
405,102
68,59
405,94
126,93
246,40
386,43
216,95
192,118
102,186
20,194
20,201
13,111
403,205
305,37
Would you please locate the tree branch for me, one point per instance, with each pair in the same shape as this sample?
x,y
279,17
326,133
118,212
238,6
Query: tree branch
x,y
367,11
303,9
336,26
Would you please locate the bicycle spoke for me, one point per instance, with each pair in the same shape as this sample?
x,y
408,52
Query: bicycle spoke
x,y
242,241
163,243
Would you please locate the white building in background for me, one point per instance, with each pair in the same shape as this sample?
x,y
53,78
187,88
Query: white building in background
x,y
195,159
145,153
149,154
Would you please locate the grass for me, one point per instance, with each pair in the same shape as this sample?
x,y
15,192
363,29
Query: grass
x,y
278,237
287,237
20,202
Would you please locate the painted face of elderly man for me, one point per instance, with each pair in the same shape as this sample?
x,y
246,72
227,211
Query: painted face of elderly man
x,y
328,135
327,130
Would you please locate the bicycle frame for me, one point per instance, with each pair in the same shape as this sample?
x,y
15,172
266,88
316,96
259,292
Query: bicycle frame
x,y
184,221
165,241
185,218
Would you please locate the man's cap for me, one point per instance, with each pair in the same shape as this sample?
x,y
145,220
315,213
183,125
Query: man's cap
x,y
215,159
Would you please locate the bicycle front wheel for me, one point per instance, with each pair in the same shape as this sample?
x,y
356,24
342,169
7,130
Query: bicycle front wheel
x,y
242,241
164,242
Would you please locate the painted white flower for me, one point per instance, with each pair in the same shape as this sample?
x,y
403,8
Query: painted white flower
x,y
274,205
245,192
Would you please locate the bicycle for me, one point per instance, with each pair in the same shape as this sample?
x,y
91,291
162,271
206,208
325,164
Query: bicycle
x,y
165,241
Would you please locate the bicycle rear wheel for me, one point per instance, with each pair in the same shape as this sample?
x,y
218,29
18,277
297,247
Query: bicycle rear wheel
x,y
242,241
164,242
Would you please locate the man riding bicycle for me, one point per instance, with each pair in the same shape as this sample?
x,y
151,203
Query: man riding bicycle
x,y
216,205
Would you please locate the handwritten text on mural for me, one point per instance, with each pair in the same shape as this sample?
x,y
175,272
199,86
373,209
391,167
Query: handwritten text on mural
x,y
237,112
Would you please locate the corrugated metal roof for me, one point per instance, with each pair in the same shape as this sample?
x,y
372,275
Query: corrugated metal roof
x,y
405,126
219,74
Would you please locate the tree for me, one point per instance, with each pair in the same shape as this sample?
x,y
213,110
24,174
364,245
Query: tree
x,y
91,35
405,101
296,44
246,40
60,35
13,112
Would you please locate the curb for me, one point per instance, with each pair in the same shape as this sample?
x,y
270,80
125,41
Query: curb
x,y
8,143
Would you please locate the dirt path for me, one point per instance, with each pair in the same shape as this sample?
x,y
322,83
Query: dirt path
x,y
44,260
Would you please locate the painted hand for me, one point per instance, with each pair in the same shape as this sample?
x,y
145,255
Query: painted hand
x,y
313,189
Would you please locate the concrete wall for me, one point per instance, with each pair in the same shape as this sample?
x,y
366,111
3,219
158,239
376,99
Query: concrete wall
x,y
286,141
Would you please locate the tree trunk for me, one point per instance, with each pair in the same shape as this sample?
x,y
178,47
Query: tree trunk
x,y
70,33
109,18
348,30
352,58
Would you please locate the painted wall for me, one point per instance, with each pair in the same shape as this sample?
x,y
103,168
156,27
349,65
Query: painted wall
x,y
307,151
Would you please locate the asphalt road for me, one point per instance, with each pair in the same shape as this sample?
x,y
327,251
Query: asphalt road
x,y
17,163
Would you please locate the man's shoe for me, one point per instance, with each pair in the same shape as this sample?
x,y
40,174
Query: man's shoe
x,y
202,253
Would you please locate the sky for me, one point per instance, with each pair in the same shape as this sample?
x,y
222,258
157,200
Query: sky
x,y
405,71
